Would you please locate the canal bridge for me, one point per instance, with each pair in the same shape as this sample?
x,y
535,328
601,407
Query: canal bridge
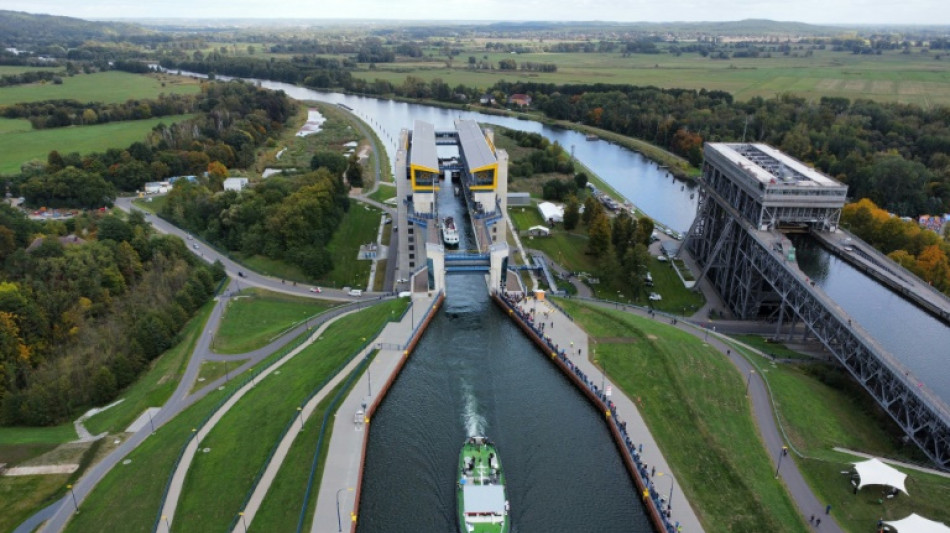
x,y
750,194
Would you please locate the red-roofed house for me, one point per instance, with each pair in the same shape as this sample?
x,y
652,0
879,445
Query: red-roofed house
x,y
521,99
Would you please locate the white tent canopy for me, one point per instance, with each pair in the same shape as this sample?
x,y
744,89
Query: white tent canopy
x,y
917,524
874,472
551,211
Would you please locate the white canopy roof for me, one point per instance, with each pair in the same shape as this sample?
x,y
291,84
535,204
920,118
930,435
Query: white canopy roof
x,y
874,472
917,524
483,499
540,229
551,211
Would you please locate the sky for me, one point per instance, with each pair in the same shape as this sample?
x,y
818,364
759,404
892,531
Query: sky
x,y
930,12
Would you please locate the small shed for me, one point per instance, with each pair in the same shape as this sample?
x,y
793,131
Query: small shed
x,y
519,199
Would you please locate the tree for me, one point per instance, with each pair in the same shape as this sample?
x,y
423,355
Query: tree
x,y
572,213
599,234
335,162
354,173
592,208
580,180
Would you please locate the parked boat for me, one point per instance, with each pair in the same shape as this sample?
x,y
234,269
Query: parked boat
x,y
591,137
482,499
450,235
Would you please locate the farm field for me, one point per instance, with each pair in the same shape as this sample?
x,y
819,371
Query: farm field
x,y
912,78
19,143
108,87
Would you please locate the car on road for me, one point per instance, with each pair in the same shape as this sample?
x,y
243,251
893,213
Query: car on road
x,y
355,292
402,280
316,289
655,297
195,246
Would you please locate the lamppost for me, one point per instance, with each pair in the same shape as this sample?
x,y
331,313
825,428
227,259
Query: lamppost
x,y
339,522
669,501
73,493
748,381
300,416
168,527
227,374
149,412
782,454
243,521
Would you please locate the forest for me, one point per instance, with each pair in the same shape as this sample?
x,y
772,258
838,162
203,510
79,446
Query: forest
x,y
85,305
286,218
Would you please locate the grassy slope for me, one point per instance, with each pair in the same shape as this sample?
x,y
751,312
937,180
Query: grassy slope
x,y
216,484
694,404
156,385
280,508
359,227
257,316
21,496
17,147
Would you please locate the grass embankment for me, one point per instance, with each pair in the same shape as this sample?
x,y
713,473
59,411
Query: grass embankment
x,y
821,408
257,317
212,370
218,482
21,496
19,143
280,509
694,403
157,384
775,349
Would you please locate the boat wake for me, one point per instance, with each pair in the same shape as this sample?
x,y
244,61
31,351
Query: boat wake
x,y
474,422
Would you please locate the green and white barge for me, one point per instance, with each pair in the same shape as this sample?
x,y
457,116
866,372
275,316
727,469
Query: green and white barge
x,y
482,498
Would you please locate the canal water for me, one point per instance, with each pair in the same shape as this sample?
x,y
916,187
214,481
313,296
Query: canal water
x,y
475,373
914,337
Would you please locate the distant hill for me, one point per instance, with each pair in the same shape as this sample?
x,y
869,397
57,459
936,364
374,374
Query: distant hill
x,y
21,30
737,27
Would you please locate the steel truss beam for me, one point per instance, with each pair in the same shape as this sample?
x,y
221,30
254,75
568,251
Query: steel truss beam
x,y
750,275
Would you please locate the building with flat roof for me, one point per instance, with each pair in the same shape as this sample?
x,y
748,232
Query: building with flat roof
x,y
771,189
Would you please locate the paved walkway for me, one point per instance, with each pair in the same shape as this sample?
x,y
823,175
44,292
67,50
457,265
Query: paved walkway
x,y
342,466
569,336
181,472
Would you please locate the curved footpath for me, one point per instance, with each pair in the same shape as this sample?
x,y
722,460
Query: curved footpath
x,y
58,513
181,471
759,395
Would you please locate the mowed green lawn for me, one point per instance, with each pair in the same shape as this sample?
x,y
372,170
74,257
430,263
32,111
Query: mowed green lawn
x,y
257,316
892,76
107,87
217,482
19,144
693,400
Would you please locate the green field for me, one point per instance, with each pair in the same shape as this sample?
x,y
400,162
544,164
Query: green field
x,y
694,403
892,76
216,484
257,317
19,145
107,87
